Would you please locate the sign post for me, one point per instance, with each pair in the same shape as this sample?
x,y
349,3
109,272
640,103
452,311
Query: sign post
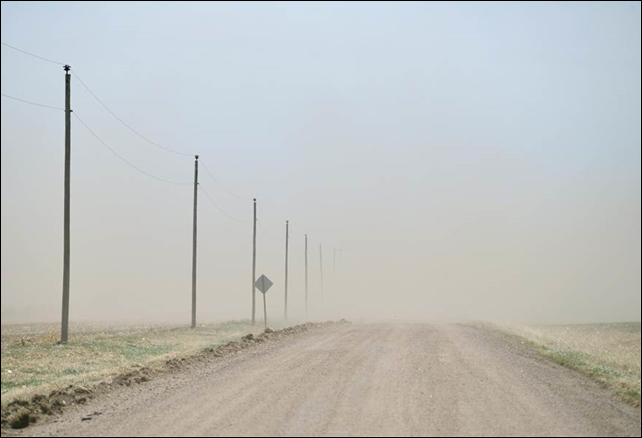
x,y
263,284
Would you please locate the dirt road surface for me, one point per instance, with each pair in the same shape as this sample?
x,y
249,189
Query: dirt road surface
x,y
363,380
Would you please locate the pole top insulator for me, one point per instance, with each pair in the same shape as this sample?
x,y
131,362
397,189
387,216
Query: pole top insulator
x,y
196,156
254,199
67,68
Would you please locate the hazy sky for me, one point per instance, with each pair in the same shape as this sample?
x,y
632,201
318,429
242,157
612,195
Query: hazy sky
x,y
474,160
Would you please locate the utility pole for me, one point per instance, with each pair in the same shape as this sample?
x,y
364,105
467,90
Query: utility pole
x,y
321,267
194,245
254,270
64,332
287,250
306,276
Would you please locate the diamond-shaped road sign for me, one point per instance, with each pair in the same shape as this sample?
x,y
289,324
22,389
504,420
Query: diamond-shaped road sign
x,y
263,284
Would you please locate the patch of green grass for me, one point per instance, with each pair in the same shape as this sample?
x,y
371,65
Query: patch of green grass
x,y
566,358
38,364
131,349
10,386
581,362
608,353
606,375
603,370
142,352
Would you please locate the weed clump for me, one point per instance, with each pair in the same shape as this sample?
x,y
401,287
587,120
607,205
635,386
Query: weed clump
x,y
21,420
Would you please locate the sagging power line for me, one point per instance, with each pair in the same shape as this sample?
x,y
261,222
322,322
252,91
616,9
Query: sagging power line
x,y
207,170
33,103
153,143
124,160
32,54
120,120
207,195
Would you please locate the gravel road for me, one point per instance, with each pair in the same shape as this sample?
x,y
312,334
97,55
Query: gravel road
x,y
362,380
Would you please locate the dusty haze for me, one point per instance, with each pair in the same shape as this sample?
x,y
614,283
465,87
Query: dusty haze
x,y
473,161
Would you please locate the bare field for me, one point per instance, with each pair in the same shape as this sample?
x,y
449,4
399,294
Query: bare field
x,y
610,353
33,362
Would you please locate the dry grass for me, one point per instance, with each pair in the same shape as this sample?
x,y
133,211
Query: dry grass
x,y
33,362
610,353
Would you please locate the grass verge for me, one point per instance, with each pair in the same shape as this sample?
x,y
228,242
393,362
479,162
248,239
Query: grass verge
x,y
608,353
33,362
40,378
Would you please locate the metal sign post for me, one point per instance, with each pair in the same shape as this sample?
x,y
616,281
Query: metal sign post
x,y
263,284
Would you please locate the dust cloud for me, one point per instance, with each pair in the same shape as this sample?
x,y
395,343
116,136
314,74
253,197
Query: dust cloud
x,y
457,162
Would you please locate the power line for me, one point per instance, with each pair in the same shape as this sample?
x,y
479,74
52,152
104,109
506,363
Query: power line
x,y
222,186
32,54
133,166
33,103
219,208
153,143
137,133
100,101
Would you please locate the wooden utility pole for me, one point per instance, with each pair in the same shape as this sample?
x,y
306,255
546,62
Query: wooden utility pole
x,y
306,276
64,332
254,270
287,250
194,242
